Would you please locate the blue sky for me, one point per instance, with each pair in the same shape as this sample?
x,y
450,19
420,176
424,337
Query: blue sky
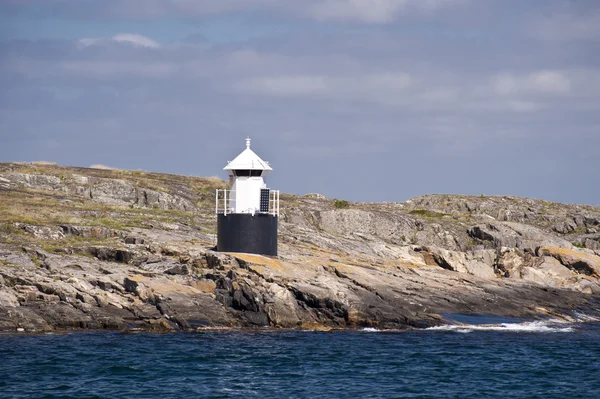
x,y
370,100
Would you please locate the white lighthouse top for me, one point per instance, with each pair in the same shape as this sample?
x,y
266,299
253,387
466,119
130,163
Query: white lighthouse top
x,y
247,160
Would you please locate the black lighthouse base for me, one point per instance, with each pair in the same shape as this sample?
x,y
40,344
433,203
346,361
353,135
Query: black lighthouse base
x,y
243,232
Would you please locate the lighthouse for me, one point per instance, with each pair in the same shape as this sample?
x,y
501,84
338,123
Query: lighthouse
x,y
248,211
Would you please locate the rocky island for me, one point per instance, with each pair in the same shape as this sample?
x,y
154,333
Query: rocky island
x,y
92,248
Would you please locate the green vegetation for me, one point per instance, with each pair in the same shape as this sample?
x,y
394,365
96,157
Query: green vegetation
x,y
427,213
26,211
578,245
340,204
413,237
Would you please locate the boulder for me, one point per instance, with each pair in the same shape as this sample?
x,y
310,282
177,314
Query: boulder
x,y
510,263
580,262
547,272
479,263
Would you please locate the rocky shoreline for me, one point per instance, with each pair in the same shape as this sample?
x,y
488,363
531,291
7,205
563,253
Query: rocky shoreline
x,y
128,250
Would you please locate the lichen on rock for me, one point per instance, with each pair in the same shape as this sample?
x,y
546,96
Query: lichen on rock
x,y
96,248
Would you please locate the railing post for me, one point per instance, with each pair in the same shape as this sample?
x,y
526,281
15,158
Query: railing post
x,y
225,203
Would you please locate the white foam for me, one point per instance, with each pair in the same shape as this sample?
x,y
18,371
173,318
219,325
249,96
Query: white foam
x,y
530,327
582,317
370,329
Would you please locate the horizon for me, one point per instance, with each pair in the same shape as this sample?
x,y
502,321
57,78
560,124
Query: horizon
x,y
109,168
362,100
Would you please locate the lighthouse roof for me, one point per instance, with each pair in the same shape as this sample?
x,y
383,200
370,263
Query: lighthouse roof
x,y
248,160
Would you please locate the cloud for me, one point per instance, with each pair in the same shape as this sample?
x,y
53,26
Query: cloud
x,y
125,38
117,69
523,106
374,11
383,88
440,95
371,11
136,40
422,91
285,85
538,82
361,11
569,25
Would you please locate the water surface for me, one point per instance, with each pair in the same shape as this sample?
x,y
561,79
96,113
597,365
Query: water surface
x,y
510,360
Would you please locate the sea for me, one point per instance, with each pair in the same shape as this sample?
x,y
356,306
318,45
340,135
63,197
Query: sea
x,y
478,358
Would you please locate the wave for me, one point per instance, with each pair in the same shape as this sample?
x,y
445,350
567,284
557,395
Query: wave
x,y
585,318
529,327
370,329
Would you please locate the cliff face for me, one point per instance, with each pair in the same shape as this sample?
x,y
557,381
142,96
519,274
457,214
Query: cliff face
x,y
87,248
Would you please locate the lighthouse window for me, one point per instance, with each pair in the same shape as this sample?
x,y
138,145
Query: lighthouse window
x,y
247,172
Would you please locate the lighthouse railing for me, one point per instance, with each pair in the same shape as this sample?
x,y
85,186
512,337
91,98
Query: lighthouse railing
x,y
274,202
224,203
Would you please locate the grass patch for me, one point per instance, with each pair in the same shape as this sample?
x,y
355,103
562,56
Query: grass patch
x,y
53,208
340,204
427,213
60,246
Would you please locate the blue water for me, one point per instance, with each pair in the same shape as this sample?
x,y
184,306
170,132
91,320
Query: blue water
x,y
504,361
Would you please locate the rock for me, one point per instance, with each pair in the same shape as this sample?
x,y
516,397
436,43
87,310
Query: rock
x,y
593,244
168,267
510,263
178,270
122,193
565,227
281,307
388,265
134,240
45,232
315,196
37,181
477,263
8,299
515,235
135,285
588,287
86,231
112,254
548,272
581,263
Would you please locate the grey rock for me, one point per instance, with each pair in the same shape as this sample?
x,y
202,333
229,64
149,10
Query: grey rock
x,y
389,265
515,235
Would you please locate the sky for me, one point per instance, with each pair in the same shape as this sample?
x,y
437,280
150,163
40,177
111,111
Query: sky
x,y
363,100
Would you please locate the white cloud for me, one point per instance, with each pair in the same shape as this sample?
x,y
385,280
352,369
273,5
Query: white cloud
x,y
285,85
387,81
90,41
522,106
125,38
374,11
423,91
384,88
420,93
135,40
117,69
539,82
363,11
550,82
371,11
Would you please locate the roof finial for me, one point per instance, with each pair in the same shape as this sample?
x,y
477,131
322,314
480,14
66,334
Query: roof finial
x,y
248,142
